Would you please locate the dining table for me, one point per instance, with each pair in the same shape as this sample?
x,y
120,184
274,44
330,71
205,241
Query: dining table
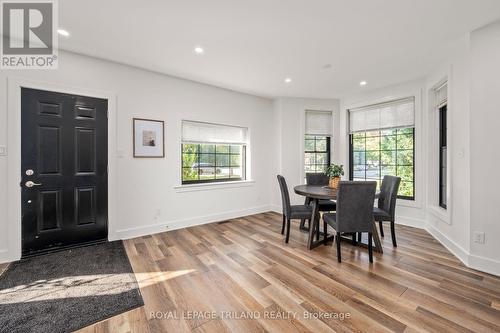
x,y
320,192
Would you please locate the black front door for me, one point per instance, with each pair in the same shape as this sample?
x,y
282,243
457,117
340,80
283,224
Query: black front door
x,y
64,176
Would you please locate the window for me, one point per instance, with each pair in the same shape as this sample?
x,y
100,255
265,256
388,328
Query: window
x,y
317,153
442,156
213,153
319,130
441,98
382,142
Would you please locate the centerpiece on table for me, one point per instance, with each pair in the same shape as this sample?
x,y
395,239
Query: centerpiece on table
x,y
334,172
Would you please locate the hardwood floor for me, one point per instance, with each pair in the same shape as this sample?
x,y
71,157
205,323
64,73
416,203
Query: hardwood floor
x,y
242,267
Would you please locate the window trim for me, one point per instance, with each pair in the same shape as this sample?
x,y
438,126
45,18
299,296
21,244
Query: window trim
x,y
351,162
243,165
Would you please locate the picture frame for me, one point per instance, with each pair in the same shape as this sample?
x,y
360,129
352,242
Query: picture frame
x,y
148,138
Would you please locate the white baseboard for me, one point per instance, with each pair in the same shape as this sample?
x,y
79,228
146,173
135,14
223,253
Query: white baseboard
x,y
410,222
453,247
483,264
179,224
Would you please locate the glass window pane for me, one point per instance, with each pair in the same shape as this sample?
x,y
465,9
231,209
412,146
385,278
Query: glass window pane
x,y
222,160
309,158
309,145
321,144
406,189
222,172
373,158
189,174
190,148
189,160
408,130
206,173
388,157
389,170
207,160
373,143
222,149
358,144
236,173
357,136
309,168
321,158
388,132
359,171
236,149
405,142
405,172
405,157
388,142
207,148
236,160
358,157
372,172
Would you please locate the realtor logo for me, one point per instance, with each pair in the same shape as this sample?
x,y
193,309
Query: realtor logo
x,y
29,34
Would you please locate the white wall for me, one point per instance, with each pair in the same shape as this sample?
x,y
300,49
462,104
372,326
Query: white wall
x,y
485,154
289,121
146,186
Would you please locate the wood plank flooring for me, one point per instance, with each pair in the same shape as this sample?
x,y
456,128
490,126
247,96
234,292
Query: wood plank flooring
x,y
240,276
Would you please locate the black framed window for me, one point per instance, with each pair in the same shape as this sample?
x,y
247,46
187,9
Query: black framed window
x,y
317,153
203,163
374,154
442,156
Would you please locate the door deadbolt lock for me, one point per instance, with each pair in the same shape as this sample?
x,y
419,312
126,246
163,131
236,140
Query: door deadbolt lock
x,y
29,172
30,184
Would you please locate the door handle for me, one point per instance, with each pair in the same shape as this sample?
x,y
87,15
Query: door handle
x,y
30,184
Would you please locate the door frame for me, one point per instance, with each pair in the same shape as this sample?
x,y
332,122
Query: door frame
x,y
14,211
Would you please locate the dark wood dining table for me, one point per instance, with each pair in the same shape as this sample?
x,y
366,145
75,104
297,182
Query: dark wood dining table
x,y
316,193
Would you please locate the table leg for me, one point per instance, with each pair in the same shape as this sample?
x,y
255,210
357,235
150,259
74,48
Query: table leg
x,y
376,238
313,223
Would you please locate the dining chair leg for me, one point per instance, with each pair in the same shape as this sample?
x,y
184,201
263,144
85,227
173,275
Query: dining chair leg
x,y
354,238
393,234
325,229
370,248
287,230
337,237
381,228
283,225
359,237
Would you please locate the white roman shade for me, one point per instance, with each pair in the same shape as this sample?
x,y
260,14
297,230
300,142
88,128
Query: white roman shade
x,y
441,94
199,132
394,114
319,123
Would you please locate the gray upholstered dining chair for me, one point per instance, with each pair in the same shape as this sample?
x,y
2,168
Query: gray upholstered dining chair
x,y
290,212
386,207
323,205
354,212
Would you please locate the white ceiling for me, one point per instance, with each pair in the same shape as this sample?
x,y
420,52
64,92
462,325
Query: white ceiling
x,y
252,45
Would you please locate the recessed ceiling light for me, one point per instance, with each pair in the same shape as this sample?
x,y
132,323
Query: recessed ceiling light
x,y
288,80
199,50
363,83
63,32
327,66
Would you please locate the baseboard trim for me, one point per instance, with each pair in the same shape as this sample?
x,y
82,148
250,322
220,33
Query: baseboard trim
x,y
5,256
184,223
410,222
483,264
449,244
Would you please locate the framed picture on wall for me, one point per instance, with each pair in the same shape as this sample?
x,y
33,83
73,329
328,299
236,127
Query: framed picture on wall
x,y
149,138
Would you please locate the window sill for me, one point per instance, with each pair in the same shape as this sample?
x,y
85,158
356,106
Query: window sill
x,y
213,186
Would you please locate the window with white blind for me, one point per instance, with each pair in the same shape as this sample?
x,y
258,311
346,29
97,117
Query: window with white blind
x,y
213,152
441,93
317,144
382,142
